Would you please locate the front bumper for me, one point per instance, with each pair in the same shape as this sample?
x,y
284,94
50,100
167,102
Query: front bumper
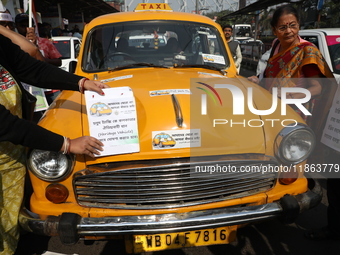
x,y
70,226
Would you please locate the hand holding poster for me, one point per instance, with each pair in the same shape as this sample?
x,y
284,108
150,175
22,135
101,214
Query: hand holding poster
x,y
113,120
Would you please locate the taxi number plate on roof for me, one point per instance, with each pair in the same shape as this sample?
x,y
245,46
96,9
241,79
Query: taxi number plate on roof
x,y
146,243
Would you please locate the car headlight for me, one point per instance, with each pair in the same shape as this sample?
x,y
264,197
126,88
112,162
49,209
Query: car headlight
x,y
50,166
294,144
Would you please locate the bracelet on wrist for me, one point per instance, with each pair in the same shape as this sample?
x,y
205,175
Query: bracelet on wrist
x,y
69,146
65,145
82,85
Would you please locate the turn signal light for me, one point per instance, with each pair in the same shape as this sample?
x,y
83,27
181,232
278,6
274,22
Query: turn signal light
x,y
56,193
288,177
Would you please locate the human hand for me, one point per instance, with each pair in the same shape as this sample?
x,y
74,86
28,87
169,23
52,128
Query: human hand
x,y
254,79
91,85
31,36
87,145
279,92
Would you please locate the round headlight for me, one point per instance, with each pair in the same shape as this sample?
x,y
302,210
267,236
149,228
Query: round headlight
x,y
294,144
49,165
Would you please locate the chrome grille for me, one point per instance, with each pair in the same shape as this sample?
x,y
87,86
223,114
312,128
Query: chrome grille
x,y
168,183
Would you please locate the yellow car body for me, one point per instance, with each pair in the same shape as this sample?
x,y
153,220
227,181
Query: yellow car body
x,y
151,197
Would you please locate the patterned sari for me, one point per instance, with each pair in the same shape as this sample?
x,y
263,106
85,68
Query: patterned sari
x,y
288,64
286,67
12,170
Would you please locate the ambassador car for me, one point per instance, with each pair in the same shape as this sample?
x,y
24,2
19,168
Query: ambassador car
x,y
233,155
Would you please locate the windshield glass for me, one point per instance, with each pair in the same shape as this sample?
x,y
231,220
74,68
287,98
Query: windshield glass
x,y
63,47
159,43
242,31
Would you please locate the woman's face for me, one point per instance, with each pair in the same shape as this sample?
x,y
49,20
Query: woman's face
x,y
287,30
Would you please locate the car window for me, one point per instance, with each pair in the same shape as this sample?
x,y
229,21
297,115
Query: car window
x,y
333,48
63,46
76,45
312,39
161,43
334,52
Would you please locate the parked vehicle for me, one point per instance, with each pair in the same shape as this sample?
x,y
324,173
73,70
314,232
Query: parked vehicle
x,y
68,47
162,187
242,32
328,42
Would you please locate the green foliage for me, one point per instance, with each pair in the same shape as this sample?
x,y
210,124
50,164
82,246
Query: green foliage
x,y
330,15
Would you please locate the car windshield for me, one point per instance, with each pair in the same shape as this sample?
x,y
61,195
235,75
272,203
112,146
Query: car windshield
x,y
63,47
153,44
242,31
334,52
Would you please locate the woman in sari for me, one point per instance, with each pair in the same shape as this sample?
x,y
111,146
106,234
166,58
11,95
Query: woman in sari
x,y
16,132
295,62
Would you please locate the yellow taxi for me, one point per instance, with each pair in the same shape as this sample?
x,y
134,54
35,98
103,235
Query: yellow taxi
x,y
237,156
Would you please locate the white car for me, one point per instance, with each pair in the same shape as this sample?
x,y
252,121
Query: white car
x,y
68,47
328,42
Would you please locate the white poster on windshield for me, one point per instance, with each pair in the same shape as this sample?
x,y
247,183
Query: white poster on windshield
x,y
113,120
210,58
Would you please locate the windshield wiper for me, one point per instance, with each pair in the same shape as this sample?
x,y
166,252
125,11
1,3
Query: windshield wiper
x,y
202,66
135,65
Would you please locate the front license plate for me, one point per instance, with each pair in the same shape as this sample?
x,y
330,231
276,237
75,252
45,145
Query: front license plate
x,y
145,243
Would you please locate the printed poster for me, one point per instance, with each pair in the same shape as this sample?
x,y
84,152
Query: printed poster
x,y
113,120
331,132
41,104
210,58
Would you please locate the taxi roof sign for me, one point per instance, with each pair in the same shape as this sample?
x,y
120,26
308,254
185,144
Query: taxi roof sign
x,y
142,7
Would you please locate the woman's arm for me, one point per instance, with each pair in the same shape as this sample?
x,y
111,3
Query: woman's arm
x,y
314,87
24,44
312,75
27,133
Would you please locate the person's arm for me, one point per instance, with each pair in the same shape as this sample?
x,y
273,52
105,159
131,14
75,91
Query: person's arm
x,y
29,70
33,39
52,55
312,76
55,61
27,133
31,35
254,79
238,56
24,44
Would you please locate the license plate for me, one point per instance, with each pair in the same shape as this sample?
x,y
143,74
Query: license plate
x,y
146,243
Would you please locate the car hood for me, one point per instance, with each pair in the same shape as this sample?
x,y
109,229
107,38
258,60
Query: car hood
x,y
156,94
